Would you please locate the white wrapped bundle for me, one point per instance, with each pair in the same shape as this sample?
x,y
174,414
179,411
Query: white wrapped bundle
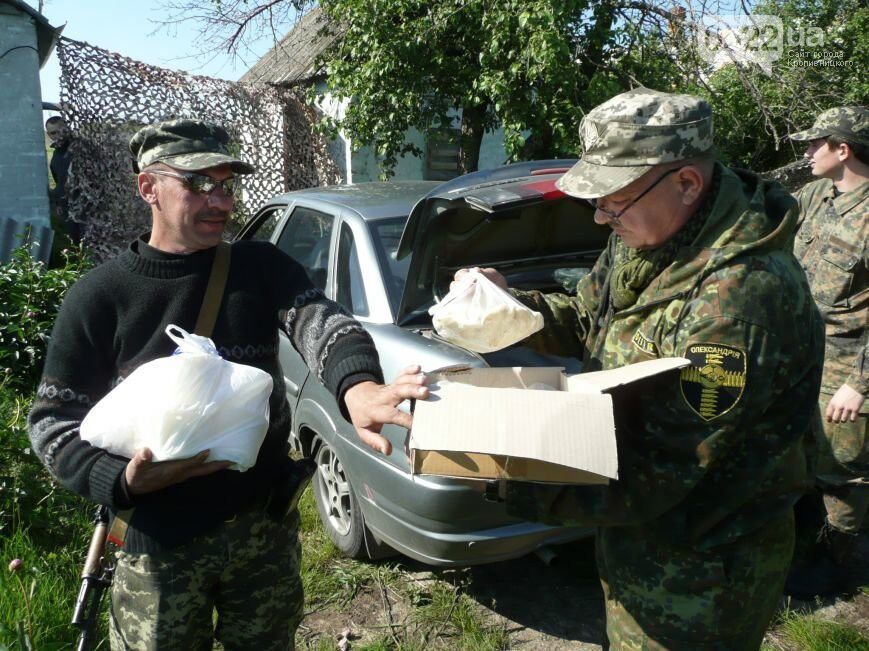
x,y
178,406
482,317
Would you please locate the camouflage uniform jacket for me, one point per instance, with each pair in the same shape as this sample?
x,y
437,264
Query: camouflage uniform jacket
x,y
713,452
831,244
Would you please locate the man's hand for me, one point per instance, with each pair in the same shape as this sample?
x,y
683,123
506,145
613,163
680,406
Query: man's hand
x,y
372,405
844,405
490,273
146,476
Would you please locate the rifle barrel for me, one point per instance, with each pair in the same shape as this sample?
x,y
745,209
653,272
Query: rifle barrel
x,y
95,578
93,562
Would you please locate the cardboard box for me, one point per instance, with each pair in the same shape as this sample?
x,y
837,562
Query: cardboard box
x,y
500,423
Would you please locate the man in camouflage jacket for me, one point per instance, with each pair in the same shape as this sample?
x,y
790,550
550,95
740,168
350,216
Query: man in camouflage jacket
x,y
831,244
695,537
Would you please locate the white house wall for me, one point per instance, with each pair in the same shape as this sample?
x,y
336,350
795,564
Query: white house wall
x,y
492,152
362,165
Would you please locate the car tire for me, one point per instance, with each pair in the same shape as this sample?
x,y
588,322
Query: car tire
x,y
337,504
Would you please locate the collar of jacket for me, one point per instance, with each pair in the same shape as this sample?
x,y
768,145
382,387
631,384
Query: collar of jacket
x,y
748,214
846,201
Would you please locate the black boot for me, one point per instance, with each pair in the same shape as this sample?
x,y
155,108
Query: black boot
x,y
823,572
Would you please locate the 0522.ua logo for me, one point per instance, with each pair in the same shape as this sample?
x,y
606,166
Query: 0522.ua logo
x,y
740,39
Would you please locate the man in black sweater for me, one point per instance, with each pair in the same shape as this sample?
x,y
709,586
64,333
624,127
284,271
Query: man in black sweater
x,y
201,537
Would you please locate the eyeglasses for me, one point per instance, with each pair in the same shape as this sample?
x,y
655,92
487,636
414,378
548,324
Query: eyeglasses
x,y
202,183
614,216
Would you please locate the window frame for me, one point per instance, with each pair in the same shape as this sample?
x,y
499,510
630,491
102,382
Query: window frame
x,y
328,289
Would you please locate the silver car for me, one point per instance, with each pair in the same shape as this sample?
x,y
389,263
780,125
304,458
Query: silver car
x,y
387,252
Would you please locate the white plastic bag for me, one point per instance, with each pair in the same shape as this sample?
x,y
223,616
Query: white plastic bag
x,y
482,317
178,406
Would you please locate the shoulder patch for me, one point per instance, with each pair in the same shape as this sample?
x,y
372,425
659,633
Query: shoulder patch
x,y
645,344
715,381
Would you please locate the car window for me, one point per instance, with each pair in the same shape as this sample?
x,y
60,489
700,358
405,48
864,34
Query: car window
x,y
306,238
266,223
385,235
349,287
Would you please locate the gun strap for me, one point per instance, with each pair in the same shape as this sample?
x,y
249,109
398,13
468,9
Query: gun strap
x,y
204,327
118,531
214,291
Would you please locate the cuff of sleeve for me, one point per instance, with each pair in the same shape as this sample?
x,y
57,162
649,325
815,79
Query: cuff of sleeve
x,y
123,496
105,476
527,298
859,383
358,362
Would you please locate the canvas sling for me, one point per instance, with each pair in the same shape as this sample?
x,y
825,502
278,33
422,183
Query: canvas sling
x,y
204,327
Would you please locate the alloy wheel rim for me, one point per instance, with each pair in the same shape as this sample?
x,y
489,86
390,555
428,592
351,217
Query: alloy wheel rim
x,y
336,490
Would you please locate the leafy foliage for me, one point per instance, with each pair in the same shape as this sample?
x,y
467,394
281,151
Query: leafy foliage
x,y
823,64
535,66
40,522
30,295
531,66
29,493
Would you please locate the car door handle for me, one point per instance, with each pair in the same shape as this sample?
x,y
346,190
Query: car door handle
x,y
292,387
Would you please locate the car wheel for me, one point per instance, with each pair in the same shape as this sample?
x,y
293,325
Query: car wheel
x,y
337,503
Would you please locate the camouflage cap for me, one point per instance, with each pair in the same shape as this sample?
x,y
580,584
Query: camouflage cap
x,y
850,123
184,144
626,136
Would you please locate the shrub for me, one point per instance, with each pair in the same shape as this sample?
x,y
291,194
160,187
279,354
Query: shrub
x,y
30,295
29,496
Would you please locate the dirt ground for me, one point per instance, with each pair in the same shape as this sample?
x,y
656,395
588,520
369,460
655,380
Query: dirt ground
x,y
543,606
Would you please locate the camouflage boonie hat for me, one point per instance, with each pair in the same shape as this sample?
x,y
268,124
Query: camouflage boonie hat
x,y
186,145
626,136
850,123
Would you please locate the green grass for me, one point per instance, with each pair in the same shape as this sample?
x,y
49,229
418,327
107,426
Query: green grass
x,y
48,529
443,611
413,615
326,575
49,578
45,527
795,631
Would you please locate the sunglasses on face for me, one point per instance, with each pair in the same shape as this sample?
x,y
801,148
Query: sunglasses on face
x,y
201,183
615,215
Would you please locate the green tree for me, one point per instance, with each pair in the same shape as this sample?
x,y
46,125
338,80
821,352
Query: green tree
x,y
531,66
823,64
535,66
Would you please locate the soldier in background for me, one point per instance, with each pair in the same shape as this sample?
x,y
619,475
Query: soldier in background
x,y
831,244
58,132
695,538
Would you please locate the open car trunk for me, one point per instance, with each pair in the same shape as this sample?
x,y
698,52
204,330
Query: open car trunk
x,y
514,220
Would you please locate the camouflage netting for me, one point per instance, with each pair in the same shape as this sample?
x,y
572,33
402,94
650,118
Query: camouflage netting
x,y
107,97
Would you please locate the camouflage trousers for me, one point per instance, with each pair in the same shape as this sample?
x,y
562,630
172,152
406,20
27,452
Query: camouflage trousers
x,y
247,572
843,469
660,596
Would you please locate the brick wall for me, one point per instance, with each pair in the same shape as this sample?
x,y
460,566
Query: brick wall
x,y
23,172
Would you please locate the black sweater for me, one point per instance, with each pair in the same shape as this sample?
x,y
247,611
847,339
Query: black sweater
x,y
113,320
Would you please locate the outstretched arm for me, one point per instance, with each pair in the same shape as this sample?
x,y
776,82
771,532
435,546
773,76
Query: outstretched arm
x,y
371,406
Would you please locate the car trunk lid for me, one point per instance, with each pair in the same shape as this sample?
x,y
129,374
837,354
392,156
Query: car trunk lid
x,y
513,219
